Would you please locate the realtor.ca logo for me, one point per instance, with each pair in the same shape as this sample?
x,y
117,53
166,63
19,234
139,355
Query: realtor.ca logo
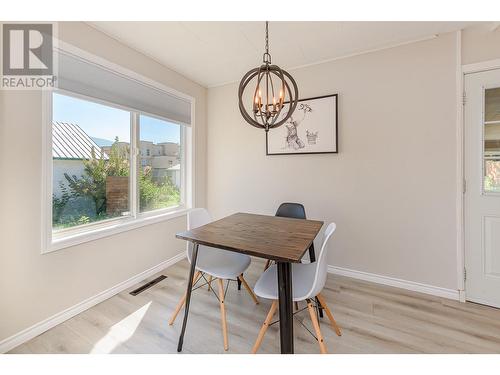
x,y
27,56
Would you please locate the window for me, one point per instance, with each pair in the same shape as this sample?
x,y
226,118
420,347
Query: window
x,y
118,151
492,141
94,180
91,162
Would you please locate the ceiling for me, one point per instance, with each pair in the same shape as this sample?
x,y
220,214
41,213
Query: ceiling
x,y
215,53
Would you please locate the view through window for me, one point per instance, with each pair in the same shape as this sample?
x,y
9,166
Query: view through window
x,y
91,153
160,172
492,141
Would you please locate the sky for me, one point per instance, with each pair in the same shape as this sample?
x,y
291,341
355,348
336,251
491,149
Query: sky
x,y
100,121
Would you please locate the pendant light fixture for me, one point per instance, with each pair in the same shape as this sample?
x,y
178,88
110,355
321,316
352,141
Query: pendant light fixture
x,y
274,93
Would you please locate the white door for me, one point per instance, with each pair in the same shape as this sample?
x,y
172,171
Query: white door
x,y
482,197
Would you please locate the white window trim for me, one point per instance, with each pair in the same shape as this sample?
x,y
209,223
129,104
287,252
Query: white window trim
x,y
94,231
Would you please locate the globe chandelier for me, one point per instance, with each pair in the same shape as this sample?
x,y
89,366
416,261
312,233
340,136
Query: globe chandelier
x,y
274,93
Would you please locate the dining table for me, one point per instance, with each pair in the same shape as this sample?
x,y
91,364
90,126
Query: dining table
x,y
280,239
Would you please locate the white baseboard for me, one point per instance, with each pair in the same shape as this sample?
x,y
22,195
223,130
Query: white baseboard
x,y
398,283
461,295
38,328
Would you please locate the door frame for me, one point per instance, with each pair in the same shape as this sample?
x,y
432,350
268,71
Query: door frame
x,y
462,71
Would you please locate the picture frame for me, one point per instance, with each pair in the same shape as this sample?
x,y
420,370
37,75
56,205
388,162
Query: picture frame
x,y
312,129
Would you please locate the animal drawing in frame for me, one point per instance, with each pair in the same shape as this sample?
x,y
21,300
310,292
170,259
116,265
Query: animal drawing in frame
x,y
312,129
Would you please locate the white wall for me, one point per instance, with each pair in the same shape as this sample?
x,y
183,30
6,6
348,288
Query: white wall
x,y
481,43
391,189
34,287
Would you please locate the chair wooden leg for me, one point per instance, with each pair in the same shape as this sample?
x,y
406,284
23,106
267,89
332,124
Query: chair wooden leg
x,y
209,282
329,314
264,327
314,318
223,313
268,263
247,287
183,300
296,306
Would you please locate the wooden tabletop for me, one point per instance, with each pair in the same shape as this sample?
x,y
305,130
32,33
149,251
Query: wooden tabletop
x,y
277,238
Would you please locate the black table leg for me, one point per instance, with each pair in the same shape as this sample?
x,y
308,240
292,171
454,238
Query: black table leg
x,y
312,258
188,295
320,309
239,283
312,254
285,306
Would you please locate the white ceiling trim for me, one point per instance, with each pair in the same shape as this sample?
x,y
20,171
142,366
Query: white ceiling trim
x,y
389,46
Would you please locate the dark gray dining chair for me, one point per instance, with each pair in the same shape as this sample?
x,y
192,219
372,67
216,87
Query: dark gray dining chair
x,y
295,211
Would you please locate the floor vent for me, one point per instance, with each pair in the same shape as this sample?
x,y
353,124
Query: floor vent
x,y
148,285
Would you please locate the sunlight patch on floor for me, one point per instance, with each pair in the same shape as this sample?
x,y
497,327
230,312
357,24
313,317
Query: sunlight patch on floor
x,y
121,331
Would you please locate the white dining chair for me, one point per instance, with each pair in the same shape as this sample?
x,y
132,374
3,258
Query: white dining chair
x,y
308,279
218,265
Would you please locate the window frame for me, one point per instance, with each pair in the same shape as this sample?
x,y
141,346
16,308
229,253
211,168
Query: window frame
x,y
67,237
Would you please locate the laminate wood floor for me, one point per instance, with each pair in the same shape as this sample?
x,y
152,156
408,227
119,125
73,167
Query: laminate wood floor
x,y
373,318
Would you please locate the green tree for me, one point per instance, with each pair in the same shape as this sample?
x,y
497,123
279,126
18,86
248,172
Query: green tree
x,y
118,163
92,183
59,203
154,195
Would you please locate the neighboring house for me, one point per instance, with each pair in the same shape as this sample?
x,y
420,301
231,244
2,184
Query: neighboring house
x,y
170,148
159,155
70,147
165,161
174,173
155,155
163,158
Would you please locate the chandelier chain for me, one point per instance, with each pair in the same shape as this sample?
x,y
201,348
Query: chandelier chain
x,y
267,37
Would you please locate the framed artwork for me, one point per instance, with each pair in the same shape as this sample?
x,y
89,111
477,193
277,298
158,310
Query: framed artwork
x,y
312,129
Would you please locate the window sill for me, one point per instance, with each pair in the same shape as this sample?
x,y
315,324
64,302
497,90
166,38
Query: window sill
x,y
76,237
